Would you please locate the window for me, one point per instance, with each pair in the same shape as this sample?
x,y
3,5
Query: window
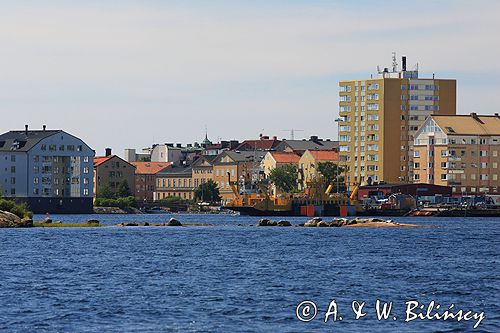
x,y
36,180
416,153
443,176
85,191
13,169
430,176
85,170
85,159
416,165
444,165
12,158
416,176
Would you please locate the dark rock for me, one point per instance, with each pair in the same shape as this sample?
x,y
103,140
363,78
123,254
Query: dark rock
x,y
284,223
322,224
355,221
173,223
264,222
26,223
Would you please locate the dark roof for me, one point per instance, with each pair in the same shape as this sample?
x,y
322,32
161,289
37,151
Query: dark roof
x,y
19,141
304,145
176,170
261,144
209,158
242,156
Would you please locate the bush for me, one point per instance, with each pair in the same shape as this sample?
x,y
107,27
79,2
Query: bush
x,y
19,209
124,202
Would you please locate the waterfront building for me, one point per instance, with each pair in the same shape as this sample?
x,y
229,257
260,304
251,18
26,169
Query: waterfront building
x,y
308,165
203,170
110,171
461,151
379,118
145,179
50,170
174,181
275,159
300,146
236,172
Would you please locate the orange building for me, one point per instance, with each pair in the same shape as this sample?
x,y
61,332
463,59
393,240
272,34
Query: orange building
x,y
308,164
145,173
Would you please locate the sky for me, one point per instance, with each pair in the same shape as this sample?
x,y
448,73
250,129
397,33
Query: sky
x,y
127,74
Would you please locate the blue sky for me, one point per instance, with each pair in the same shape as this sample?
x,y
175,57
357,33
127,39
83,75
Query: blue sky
x,y
125,73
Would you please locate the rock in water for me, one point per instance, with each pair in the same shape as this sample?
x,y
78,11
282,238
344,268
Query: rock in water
x,y
173,223
284,223
46,220
264,222
322,224
313,222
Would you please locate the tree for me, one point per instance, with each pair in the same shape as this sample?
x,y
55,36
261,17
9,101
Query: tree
x,y
124,190
330,172
105,193
284,177
208,192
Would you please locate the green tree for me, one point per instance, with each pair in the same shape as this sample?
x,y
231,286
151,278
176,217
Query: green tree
x,y
124,190
332,172
105,192
284,177
208,192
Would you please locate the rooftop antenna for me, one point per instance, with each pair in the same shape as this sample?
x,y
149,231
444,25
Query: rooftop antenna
x,y
394,63
292,132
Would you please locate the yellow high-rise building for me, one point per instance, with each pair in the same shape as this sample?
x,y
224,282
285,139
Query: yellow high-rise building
x,y
379,118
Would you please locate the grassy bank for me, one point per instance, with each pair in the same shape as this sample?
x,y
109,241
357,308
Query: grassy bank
x,y
66,225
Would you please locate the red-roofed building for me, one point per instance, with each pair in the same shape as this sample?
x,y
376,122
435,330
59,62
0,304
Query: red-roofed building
x,y
264,143
111,170
145,175
308,164
275,159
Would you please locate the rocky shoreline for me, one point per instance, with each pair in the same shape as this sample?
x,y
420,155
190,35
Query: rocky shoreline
x,y
358,222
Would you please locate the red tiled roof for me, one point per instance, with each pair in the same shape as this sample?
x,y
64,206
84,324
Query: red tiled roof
x,y
325,155
258,144
98,160
149,168
281,157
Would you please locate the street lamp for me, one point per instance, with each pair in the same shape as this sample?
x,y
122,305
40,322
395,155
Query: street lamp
x,y
338,120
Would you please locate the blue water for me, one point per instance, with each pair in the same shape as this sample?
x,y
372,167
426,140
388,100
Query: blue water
x,y
233,277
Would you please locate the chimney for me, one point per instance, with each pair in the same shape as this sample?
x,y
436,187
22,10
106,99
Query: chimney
x,y
26,129
44,127
275,137
403,60
108,152
314,138
179,145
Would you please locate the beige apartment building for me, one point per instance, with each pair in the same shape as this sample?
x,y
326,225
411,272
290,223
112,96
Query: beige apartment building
x,y
174,181
202,170
234,171
379,118
308,165
461,151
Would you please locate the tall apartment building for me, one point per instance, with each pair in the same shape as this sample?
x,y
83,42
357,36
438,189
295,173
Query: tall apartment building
x,y
379,118
461,151
50,170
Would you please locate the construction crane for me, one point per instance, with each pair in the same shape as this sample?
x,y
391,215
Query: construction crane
x,y
292,132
